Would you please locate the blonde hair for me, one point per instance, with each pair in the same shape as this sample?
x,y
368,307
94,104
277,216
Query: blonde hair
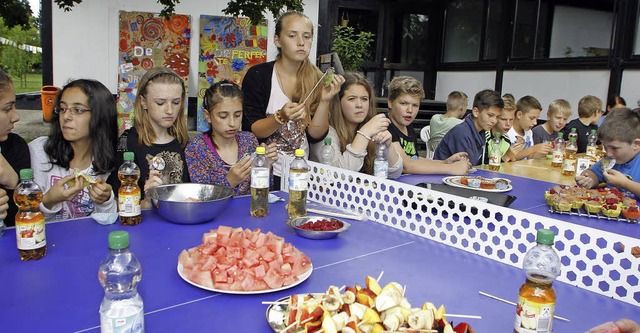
x,y
588,106
509,104
337,121
457,100
559,106
142,120
308,74
401,85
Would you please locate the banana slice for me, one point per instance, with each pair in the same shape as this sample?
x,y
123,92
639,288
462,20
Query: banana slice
x,y
391,323
332,303
421,319
349,297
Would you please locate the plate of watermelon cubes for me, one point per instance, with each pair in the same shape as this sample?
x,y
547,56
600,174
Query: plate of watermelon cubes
x,y
243,261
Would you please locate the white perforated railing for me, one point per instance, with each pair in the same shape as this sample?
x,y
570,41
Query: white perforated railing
x,y
589,257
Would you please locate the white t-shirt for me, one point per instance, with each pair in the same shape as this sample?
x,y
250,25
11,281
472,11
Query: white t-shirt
x,y
528,137
46,174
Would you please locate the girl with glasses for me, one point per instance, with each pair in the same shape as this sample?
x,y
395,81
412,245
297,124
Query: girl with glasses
x,y
160,130
14,152
82,142
222,154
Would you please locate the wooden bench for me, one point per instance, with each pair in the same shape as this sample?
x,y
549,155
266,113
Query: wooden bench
x,y
428,108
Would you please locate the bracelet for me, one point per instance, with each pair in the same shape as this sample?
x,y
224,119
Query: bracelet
x,y
279,118
364,135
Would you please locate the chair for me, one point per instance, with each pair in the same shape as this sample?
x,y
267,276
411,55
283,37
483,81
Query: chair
x,y
425,134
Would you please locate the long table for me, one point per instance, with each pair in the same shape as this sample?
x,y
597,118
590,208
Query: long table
x,y
61,293
529,195
538,169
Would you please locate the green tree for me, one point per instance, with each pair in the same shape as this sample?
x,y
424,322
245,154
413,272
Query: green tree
x,y
253,9
15,12
353,49
15,60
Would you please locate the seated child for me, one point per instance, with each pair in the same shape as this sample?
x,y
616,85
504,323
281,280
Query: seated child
x,y
470,135
620,135
440,124
14,152
160,132
354,129
405,93
558,114
222,154
589,113
527,112
83,138
502,126
613,103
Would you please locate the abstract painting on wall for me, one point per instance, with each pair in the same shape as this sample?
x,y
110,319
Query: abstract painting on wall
x,y
148,40
229,46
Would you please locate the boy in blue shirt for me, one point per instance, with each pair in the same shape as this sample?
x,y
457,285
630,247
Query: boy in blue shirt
x,y
469,136
620,135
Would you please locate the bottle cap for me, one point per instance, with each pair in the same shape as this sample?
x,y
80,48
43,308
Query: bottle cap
x,y
261,150
593,131
118,240
545,236
573,129
128,156
26,174
327,141
299,153
560,134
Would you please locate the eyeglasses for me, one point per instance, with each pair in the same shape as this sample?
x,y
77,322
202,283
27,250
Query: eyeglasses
x,y
74,110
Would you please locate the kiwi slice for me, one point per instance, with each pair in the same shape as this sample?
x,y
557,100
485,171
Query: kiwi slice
x,y
328,77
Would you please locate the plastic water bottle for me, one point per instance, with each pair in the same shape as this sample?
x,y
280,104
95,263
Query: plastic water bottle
x,y
298,186
558,151
259,206
591,145
327,153
573,134
30,234
537,298
121,309
129,192
381,164
495,157
570,158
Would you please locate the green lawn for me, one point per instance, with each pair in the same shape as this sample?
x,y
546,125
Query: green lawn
x,y
34,83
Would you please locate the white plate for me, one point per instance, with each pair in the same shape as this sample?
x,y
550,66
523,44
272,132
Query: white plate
x,y
277,314
301,279
455,182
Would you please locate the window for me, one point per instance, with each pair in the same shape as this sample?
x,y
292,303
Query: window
x,y
495,25
636,41
562,28
463,29
414,34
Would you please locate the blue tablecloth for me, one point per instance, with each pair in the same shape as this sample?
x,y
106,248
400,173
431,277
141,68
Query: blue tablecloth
x,y
61,293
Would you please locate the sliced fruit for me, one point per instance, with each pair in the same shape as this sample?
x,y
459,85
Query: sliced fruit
x,y
373,285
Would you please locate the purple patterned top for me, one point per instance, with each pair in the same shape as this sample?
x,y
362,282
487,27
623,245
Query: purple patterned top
x,y
207,167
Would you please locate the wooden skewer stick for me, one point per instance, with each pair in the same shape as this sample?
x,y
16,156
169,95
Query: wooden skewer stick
x,y
275,302
380,276
296,323
462,316
314,87
514,304
335,214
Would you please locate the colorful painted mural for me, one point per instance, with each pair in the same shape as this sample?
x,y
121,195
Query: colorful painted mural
x,y
148,40
229,46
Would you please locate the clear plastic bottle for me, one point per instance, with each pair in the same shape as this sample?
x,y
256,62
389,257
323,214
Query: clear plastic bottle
x,y
298,186
381,164
570,158
327,153
495,157
30,234
537,298
591,145
259,206
121,309
129,192
572,134
558,151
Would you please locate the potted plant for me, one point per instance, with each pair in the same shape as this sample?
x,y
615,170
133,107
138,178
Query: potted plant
x,y
353,49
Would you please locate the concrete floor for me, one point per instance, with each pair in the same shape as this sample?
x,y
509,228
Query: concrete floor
x,y
31,124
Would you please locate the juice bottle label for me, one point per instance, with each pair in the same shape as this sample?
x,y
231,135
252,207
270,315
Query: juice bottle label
x,y
494,159
126,321
591,151
299,181
260,177
558,156
129,205
569,165
533,317
30,232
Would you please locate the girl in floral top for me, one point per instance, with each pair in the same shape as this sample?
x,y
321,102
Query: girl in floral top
x,y
222,155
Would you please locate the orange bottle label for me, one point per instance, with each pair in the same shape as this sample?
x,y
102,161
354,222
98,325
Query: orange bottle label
x,y
30,233
129,204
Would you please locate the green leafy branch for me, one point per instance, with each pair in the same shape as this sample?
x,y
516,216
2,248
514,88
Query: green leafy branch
x,y
353,49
